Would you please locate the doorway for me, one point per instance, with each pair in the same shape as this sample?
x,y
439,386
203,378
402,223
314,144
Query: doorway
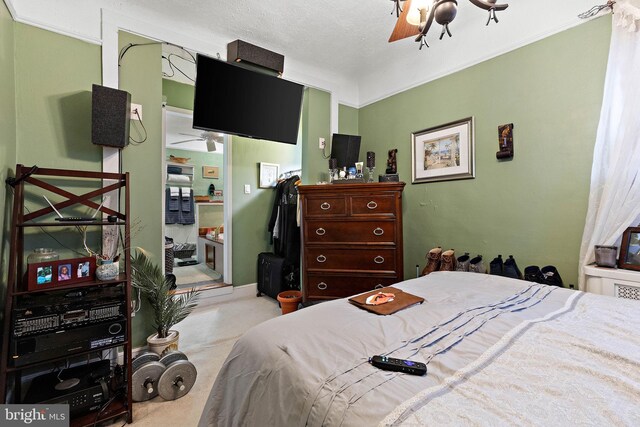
x,y
195,226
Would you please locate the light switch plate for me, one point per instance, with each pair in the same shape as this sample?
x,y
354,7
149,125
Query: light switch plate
x,y
247,189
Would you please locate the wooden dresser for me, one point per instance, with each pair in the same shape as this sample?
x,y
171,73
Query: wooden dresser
x,y
351,238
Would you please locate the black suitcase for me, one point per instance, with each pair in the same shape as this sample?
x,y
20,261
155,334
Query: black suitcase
x,y
270,274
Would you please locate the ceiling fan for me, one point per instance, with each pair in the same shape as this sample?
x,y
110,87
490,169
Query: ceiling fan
x,y
209,137
417,16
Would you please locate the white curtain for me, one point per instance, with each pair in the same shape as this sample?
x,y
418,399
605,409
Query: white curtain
x,y
614,200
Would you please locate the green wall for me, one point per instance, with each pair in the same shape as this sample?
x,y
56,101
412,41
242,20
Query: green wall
x,y
178,94
7,135
316,123
199,159
348,120
533,206
140,75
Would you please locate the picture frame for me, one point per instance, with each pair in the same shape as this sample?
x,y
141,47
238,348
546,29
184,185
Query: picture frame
x,y
269,173
630,249
52,274
210,172
443,153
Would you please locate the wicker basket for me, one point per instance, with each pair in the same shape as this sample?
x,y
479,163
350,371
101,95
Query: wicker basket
x,y
184,250
168,258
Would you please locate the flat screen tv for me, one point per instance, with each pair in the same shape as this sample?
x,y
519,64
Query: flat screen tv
x,y
234,100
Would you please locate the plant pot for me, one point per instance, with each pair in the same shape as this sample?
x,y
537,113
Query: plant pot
x,y
160,345
289,301
107,270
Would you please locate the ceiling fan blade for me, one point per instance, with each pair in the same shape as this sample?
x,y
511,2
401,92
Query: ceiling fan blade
x,y
188,134
186,140
403,29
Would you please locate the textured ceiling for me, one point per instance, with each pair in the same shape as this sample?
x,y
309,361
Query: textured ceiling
x,y
345,38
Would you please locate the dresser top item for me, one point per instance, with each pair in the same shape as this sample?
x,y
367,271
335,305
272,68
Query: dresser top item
x,y
357,187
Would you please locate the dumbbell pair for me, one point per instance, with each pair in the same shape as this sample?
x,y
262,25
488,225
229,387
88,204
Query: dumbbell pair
x,y
171,376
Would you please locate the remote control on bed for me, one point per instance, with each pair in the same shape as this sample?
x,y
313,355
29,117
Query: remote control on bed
x,y
398,365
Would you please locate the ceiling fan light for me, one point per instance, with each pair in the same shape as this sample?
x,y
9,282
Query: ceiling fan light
x,y
211,145
418,11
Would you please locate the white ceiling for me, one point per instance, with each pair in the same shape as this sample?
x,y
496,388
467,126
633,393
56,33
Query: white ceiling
x,y
179,127
342,39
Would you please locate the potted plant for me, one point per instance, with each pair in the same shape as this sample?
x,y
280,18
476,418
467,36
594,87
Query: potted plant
x,y
168,309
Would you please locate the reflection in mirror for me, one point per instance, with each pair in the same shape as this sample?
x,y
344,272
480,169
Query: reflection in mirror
x,y
194,202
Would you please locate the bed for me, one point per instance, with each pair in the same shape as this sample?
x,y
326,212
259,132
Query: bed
x,y
498,351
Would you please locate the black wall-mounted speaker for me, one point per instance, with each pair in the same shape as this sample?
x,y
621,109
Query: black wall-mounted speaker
x,y
345,149
240,51
110,116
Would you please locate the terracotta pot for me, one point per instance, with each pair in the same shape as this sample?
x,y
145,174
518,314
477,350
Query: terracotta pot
x,y
160,345
289,301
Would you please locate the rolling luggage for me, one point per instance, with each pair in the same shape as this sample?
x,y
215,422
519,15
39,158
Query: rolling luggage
x,y
270,274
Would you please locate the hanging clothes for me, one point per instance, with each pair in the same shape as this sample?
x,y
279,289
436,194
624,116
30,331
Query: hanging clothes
x,y
284,229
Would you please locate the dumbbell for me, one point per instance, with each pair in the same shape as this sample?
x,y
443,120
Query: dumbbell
x,y
147,370
179,376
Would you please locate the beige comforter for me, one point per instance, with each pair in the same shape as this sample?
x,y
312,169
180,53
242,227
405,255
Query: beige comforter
x,y
478,334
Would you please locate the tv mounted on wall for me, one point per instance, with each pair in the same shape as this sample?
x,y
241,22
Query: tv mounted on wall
x,y
234,100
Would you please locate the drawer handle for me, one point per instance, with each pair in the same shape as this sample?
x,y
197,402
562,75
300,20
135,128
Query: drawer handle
x,y
372,205
378,231
322,286
321,231
378,286
378,259
321,258
325,206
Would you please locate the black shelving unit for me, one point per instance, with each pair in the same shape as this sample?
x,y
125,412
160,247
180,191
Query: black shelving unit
x,y
48,179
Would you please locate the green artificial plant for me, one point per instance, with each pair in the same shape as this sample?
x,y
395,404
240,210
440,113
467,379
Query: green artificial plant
x,y
168,308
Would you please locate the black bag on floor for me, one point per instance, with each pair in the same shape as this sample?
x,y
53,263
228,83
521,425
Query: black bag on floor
x,y
270,274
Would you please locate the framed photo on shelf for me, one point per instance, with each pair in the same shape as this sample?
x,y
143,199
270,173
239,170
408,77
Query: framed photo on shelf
x,y
51,274
443,153
268,174
630,249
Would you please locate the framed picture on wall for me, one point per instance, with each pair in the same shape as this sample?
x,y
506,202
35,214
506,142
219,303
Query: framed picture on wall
x,y
443,153
210,172
268,174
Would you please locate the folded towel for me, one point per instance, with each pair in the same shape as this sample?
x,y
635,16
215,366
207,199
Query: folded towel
x,y
174,169
187,207
171,208
179,179
185,197
175,191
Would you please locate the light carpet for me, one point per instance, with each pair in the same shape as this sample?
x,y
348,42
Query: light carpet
x,y
206,337
196,275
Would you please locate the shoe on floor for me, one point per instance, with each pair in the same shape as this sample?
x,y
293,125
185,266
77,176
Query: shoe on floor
x,y
448,261
532,273
433,261
551,276
477,266
463,262
496,267
511,268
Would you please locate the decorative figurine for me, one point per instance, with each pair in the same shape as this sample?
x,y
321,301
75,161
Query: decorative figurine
x,y
392,167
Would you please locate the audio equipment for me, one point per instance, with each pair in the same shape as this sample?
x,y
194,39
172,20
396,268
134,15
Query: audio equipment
x,y
84,388
345,149
46,313
240,51
38,348
110,116
371,159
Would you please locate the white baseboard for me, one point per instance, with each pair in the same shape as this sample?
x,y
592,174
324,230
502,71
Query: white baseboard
x,y
230,293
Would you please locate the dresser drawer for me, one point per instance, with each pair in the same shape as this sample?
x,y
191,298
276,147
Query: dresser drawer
x,y
364,231
326,286
373,205
365,259
325,206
